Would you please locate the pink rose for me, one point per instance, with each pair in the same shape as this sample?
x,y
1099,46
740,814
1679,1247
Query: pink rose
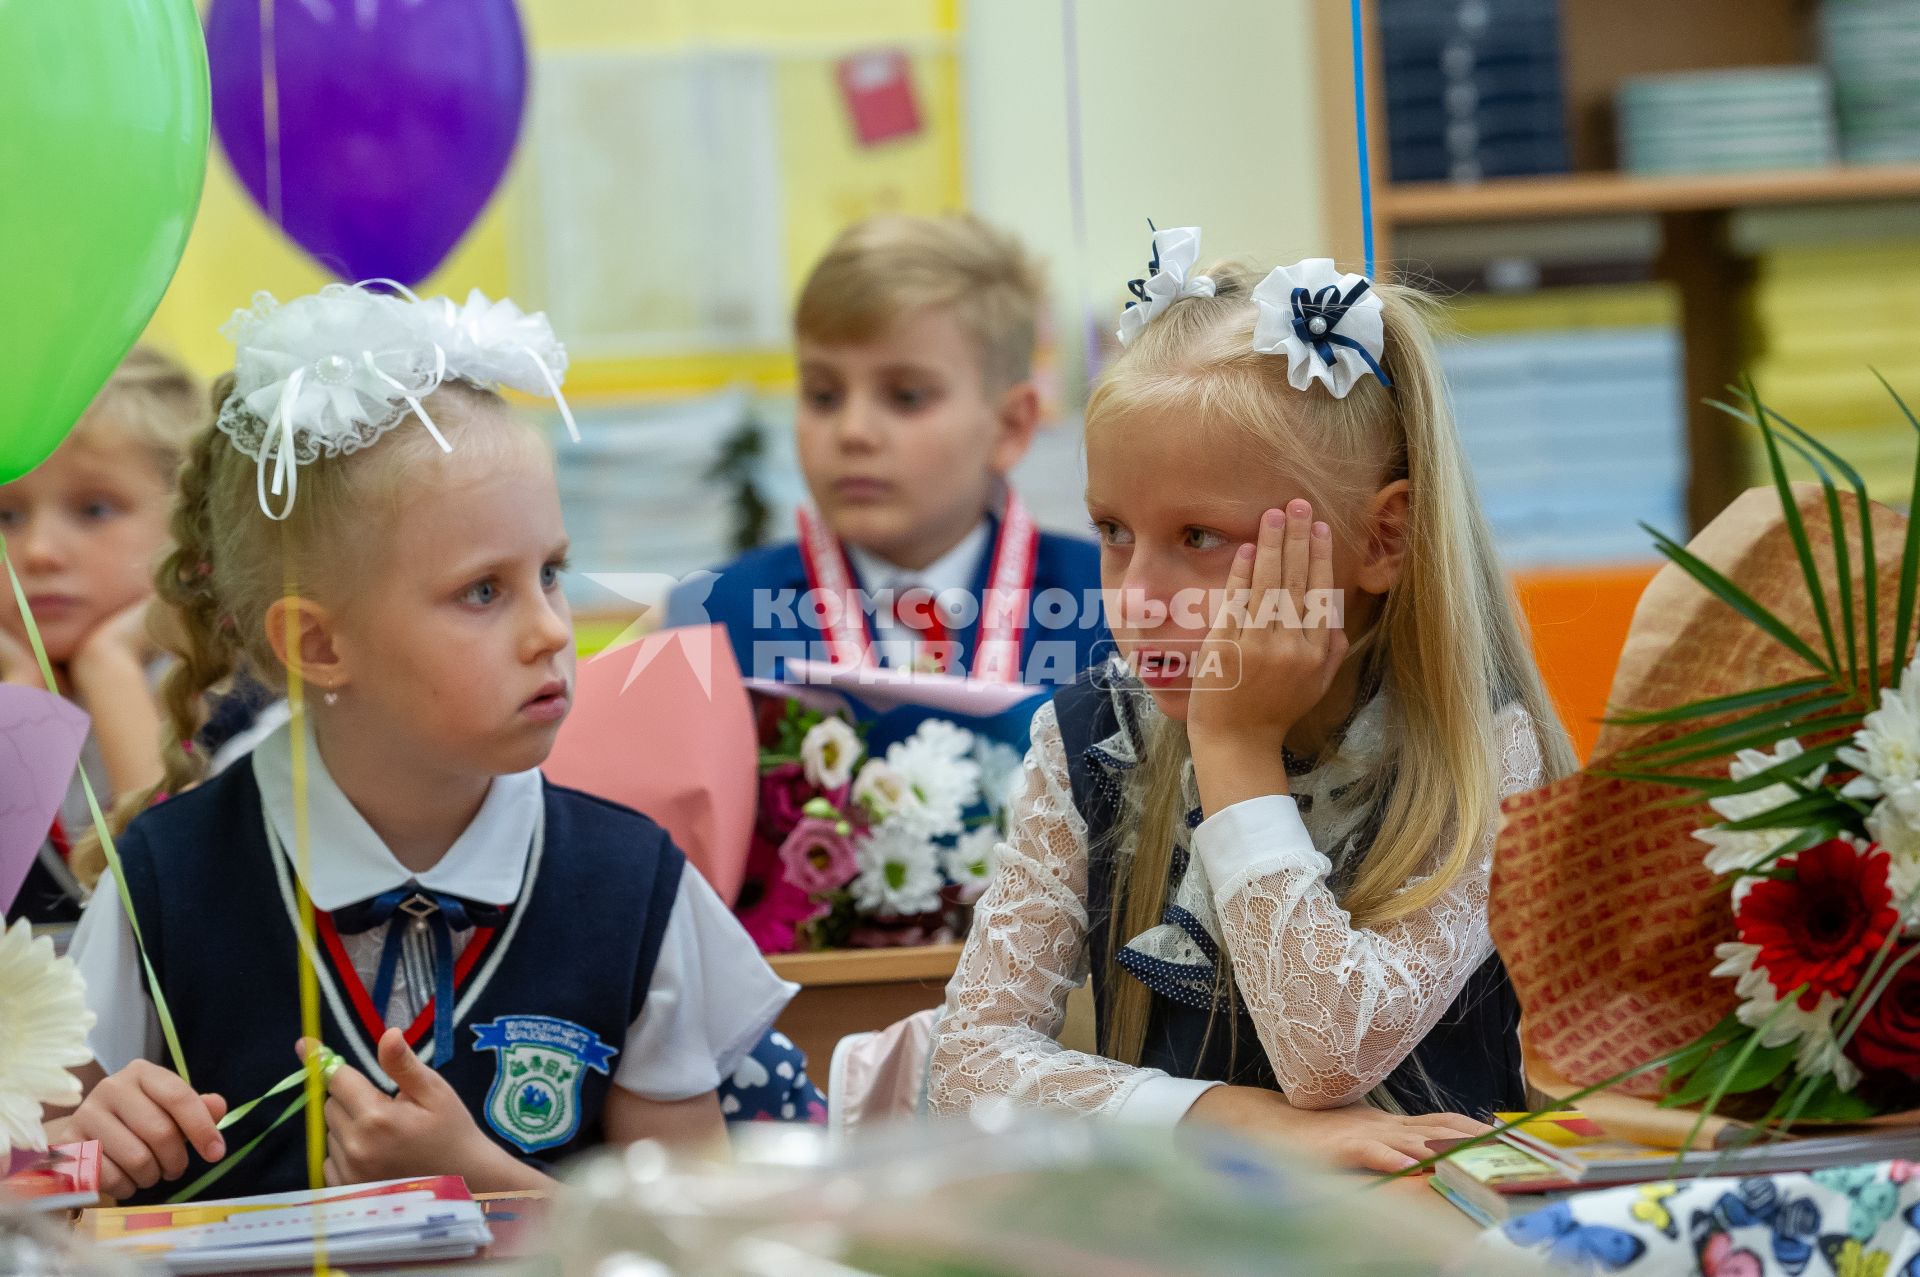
x,y
818,856
775,920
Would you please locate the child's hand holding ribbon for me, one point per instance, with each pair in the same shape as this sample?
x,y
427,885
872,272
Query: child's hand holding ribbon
x,y
423,1130
147,1121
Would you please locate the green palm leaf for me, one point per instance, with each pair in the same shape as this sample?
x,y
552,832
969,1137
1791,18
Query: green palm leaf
x,y
1738,599
1776,718
1789,815
1762,738
1714,706
1869,561
1723,786
1910,555
1797,529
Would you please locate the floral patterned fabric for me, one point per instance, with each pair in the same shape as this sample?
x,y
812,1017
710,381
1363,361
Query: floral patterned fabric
x,y
1855,1221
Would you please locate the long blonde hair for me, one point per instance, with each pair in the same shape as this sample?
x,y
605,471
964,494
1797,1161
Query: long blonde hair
x,y
229,563
1447,645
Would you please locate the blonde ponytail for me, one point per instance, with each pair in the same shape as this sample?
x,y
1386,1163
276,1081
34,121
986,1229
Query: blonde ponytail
x,y
1447,646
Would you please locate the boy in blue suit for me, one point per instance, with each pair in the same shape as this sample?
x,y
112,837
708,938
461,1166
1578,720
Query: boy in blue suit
x,y
915,340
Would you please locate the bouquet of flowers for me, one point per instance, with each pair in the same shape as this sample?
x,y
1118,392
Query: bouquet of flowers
x,y
1722,911
852,850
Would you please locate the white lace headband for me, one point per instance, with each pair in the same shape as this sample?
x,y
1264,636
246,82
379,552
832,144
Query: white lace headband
x,y
1328,324
332,372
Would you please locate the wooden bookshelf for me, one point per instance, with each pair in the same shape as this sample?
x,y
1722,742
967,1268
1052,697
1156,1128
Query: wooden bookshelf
x,y
1599,194
1602,43
867,966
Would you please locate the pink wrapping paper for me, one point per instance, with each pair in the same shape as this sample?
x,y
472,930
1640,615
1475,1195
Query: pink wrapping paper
x,y
664,726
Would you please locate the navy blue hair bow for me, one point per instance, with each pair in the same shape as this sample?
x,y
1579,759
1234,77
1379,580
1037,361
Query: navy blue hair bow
x,y
1316,320
1138,287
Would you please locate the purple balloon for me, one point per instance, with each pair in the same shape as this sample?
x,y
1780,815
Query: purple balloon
x,y
396,121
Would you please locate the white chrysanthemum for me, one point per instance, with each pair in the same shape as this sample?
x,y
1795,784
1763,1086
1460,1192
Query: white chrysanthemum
x,y
829,752
881,791
898,873
1886,749
1819,1052
1901,841
1734,851
968,863
937,765
999,772
43,1033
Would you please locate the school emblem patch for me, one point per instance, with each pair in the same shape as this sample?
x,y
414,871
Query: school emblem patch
x,y
535,1100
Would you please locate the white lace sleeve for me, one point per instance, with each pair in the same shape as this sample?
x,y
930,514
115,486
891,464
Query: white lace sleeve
x,y
1028,947
1338,1009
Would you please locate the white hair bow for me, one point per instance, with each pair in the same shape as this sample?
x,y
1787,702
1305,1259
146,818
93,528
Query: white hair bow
x,y
332,372
1175,253
1327,324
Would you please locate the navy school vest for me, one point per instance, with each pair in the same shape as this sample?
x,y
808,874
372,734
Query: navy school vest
x,y
1468,1063
543,1010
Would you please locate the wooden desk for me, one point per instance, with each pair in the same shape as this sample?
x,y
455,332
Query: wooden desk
x,y
854,990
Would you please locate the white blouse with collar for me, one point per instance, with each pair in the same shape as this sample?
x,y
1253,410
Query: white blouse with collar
x,y
1337,1009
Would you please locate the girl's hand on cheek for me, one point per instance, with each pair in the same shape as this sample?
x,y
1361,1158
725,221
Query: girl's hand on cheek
x,y
118,643
1274,649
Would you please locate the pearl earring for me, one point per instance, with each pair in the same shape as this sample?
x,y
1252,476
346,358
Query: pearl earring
x,y
330,697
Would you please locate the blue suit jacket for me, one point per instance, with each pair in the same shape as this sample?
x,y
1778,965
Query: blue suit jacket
x,y
756,597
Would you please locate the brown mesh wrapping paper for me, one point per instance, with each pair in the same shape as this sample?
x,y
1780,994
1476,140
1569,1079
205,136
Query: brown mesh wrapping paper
x,y
1601,907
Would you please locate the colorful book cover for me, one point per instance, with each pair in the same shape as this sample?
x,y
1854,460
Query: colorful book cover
x,y
65,1177
242,1220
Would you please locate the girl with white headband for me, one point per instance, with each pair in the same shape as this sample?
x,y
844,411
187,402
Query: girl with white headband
x,y
1266,831
508,971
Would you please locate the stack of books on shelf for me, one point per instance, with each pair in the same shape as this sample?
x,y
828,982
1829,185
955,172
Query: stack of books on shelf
x,y
1729,121
1570,404
1872,49
638,491
1561,1155
1825,318
1474,88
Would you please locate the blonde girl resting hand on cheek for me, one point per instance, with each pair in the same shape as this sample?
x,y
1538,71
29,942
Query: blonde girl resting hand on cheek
x,y
1265,833
510,971
84,530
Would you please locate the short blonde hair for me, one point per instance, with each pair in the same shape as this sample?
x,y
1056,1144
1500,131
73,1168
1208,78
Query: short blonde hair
x,y
150,401
887,266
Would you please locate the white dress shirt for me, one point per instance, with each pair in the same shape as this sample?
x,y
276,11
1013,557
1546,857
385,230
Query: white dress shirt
x,y
948,578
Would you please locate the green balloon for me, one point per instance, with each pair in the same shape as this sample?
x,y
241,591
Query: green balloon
x,y
103,148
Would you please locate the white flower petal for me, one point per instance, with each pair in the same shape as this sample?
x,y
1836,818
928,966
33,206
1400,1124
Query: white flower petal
x,y
43,1011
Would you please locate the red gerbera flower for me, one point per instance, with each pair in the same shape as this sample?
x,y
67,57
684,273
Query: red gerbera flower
x,y
1819,928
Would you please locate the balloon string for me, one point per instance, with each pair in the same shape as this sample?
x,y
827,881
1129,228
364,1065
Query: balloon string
x,y
1360,133
100,826
1077,179
270,113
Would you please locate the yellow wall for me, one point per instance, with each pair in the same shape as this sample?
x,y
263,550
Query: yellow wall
x,y
1200,112
235,251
